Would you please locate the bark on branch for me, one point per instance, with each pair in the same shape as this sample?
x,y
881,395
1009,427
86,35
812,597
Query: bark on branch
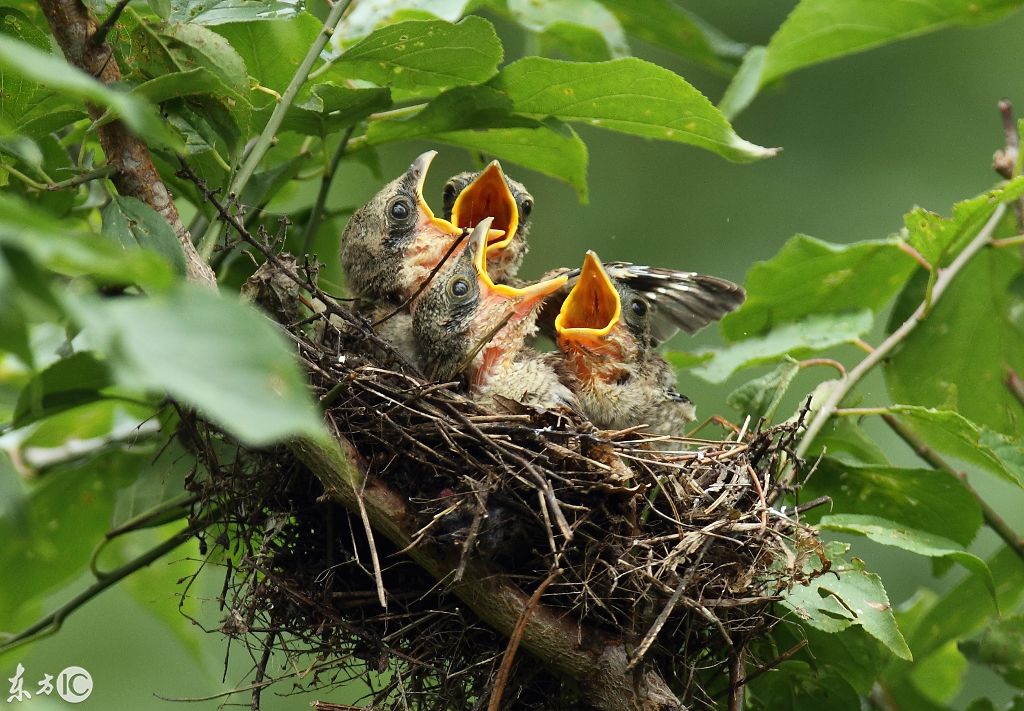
x,y
74,27
592,658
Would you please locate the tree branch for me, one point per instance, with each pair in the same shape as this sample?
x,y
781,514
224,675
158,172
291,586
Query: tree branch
x,y
992,519
594,659
76,29
942,282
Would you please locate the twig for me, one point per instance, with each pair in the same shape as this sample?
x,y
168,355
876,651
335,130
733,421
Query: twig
x,y
136,176
514,639
1015,385
766,668
737,685
843,387
104,171
52,622
315,215
261,670
666,611
1006,161
266,138
100,36
992,519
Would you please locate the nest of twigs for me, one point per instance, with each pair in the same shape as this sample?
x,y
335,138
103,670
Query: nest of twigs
x,y
675,550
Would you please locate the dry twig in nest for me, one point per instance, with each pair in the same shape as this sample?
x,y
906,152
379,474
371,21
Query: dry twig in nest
x,y
637,576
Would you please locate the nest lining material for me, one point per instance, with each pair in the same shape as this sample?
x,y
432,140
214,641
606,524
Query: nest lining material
x,y
677,553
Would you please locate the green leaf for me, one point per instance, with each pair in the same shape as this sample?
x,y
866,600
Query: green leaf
x,y
217,12
793,686
569,19
627,95
760,398
63,518
953,434
819,30
331,108
56,246
845,440
68,383
814,333
744,85
194,46
665,24
25,150
290,39
551,149
940,675
19,94
367,15
891,533
848,595
939,239
967,607
13,326
133,224
159,485
956,358
809,276
25,61
461,108
922,499
218,355
188,83
424,56
1001,648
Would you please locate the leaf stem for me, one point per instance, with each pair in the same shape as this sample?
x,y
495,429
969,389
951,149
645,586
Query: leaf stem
x,y
992,519
316,214
942,282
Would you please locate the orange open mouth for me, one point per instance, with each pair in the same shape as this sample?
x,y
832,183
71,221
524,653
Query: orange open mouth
x,y
592,308
419,169
488,196
525,297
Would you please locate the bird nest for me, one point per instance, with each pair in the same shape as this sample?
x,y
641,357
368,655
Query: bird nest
x,y
673,549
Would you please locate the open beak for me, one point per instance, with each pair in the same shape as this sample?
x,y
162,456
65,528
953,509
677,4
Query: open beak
x,y
525,298
418,170
489,196
592,308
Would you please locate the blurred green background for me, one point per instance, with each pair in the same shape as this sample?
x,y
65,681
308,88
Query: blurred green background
x,y
865,138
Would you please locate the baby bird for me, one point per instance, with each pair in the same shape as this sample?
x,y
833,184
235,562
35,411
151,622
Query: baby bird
x,y
470,197
467,324
605,333
392,242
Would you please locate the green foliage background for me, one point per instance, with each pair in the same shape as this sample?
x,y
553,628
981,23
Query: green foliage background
x,y
866,138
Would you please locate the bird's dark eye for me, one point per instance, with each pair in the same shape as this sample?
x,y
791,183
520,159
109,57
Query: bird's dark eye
x,y
400,210
458,287
527,207
638,307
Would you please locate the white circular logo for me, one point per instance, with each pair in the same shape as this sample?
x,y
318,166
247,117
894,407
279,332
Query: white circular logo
x,y
74,685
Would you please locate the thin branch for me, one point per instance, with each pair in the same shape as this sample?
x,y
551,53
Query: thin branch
x,y
52,622
942,282
104,171
992,519
77,34
1006,161
100,36
266,138
316,214
513,643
